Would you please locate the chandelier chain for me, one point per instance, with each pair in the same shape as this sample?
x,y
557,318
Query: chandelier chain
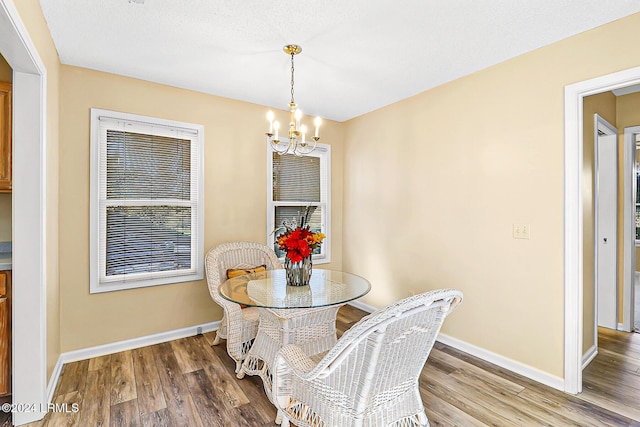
x,y
292,69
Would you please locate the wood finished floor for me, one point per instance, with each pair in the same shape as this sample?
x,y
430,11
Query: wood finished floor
x,y
188,382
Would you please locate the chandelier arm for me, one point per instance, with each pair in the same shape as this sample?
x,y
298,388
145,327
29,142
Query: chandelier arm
x,y
307,148
275,146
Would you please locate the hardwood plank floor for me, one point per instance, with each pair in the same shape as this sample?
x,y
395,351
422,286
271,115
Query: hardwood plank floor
x,y
188,382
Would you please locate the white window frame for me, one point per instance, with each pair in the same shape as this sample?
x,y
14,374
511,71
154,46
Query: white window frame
x,y
323,152
99,282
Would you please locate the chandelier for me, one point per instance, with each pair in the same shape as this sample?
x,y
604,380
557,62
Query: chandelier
x,y
297,141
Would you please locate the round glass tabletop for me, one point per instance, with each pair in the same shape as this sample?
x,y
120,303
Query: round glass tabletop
x,y
269,289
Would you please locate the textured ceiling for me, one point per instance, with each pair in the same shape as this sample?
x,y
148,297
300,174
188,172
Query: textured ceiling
x,y
358,55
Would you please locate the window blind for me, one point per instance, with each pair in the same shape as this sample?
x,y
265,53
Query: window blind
x,y
141,166
296,178
149,201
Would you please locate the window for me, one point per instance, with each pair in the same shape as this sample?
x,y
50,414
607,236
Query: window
x,y
146,201
294,183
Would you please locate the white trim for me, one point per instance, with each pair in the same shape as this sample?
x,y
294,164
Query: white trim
x,y
53,380
629,229
362,306
488,356
322,151
29,243
573,242
601,125
29,349
573,221
503,362
118,346
101,120
589,356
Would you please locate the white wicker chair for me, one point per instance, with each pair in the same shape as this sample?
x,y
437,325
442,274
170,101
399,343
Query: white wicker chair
x,y
238,325
370,377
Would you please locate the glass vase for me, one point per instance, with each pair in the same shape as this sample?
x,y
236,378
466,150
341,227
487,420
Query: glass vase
x,y
298,273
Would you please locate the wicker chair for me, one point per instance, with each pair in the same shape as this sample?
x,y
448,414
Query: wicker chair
x,y
238,325
370,377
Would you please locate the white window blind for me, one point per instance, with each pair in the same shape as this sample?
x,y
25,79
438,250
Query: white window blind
x,y
296,178
295,183
147,205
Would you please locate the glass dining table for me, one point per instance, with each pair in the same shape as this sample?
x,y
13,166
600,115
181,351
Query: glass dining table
x,y
301,315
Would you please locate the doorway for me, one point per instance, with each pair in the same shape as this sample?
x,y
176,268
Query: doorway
x,y
573,216
29,383
606,224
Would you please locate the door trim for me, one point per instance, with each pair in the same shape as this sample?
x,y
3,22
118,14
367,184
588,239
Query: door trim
x,y
573,218
29,350
601,125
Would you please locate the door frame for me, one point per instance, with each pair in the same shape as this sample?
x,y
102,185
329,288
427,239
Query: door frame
x,y
29,201
629,228
601,125
573,217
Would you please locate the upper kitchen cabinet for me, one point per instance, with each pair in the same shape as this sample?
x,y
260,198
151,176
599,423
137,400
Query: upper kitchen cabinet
x,y
5,137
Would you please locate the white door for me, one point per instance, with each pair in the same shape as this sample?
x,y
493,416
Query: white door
x,y
606,229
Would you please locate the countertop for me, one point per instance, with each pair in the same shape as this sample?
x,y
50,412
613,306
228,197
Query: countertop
x,y
5,256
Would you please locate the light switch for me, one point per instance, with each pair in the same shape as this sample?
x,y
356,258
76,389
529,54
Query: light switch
x,y
521,231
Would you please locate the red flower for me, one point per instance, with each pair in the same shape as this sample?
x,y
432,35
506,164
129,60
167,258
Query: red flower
x,y
299,243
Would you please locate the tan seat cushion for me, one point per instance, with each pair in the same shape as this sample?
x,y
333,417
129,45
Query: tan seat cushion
x,y
235,272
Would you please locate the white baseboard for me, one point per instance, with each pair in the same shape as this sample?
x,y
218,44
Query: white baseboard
x,y
101,350
488,356
115,347
504,362
589,356
53,381
363,306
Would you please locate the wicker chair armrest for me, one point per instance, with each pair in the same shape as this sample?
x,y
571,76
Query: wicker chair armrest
x,y
290,362
232,310
295,359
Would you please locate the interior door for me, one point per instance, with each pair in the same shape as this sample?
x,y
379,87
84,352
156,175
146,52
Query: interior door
x,y
606,230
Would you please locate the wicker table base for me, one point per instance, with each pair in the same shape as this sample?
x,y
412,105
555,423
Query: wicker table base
x,y
313,329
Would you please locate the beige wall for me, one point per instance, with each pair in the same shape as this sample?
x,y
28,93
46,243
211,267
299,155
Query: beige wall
x,y
6,75
36,25
605,105
462,163
235,201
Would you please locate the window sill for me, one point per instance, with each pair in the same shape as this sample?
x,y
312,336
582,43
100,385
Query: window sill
x,y
135,284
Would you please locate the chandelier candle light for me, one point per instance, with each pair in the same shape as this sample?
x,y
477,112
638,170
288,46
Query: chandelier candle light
x,y
297,142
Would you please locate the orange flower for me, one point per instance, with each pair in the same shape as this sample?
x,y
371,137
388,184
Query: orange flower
x,y
299,243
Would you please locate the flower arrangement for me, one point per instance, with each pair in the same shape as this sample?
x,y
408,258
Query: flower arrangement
x,y
298,241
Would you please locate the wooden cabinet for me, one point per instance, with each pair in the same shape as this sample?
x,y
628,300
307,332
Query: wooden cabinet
x,y
5,332
5,137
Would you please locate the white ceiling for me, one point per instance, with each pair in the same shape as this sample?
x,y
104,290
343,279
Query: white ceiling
x,y
358,55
